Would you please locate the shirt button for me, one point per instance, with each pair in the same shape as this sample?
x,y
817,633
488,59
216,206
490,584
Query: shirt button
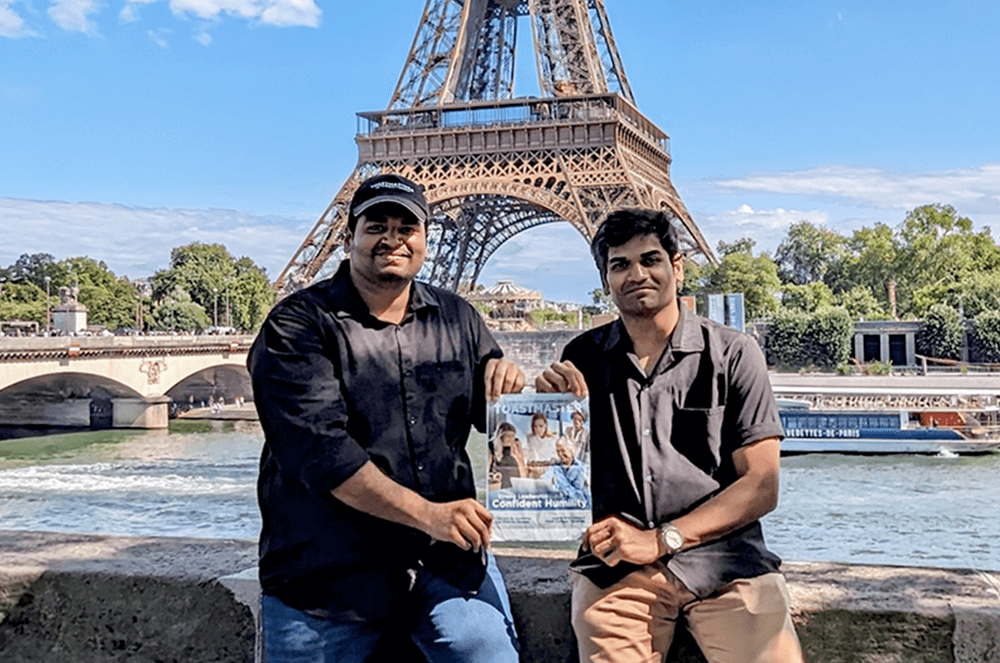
x,y
413,421
649,477
407,372
646,432
650,524
420,466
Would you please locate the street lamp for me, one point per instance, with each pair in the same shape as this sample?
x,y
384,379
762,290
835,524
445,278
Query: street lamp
x,y
215,308
48,307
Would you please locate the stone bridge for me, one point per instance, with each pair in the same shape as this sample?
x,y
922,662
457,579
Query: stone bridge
x,y
116,381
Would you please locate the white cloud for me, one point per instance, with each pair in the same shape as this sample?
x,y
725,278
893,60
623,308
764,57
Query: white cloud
x,y
72,14
130,12
970,190
11,23
271,12
291,12
135,241
158,37
767,227
204,39
212,8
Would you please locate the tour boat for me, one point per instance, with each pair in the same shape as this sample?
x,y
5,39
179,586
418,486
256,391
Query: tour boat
x,y
940,423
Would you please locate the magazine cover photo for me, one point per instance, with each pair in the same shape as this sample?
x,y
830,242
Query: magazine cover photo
x,y
539,467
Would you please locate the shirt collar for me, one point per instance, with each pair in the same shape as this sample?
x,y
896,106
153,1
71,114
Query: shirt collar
x,y
686,336
349,304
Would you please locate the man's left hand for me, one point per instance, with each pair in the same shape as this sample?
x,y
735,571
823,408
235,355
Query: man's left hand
x,y
503,377
614,540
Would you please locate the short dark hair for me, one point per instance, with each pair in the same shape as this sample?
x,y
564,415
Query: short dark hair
x,y
622,225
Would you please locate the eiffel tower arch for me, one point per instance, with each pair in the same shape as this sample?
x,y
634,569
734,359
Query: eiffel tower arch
x,y
493,165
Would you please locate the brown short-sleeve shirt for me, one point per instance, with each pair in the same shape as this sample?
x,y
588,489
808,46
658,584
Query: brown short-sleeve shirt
x,y
662,444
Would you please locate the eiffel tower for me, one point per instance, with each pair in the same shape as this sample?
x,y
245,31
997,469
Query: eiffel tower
x,y
493,165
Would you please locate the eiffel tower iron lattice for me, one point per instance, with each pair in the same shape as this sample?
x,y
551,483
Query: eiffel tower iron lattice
x,y
493,165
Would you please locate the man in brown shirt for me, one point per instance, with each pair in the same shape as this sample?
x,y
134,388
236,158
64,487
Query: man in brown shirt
x,y
685,449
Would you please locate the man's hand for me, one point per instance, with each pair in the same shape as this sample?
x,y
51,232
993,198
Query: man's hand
x,y
503,377
560,378
614,540
466,523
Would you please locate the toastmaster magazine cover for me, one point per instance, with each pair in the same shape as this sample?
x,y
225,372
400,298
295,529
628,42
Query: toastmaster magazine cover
x,y
539,467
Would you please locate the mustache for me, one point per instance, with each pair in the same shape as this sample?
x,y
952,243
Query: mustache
x,y
383,250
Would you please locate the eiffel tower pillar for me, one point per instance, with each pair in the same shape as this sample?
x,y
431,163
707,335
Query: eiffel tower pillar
x,y
493,165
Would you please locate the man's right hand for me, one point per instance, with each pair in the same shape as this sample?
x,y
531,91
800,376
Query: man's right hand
x,y
560,378
466,523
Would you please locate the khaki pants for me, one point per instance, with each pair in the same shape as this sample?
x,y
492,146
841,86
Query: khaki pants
x,y
633,621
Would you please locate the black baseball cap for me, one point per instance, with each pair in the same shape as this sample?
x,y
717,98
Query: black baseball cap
x,y
390,188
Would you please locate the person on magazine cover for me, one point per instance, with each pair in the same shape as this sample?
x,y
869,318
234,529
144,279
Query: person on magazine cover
x,y
685,455
579,435
568,476
541,443
507,456
367,385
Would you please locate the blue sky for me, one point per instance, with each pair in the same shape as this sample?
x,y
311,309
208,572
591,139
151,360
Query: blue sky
x,y
131,127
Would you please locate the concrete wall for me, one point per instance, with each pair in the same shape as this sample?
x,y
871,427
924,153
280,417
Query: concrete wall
x,y
534,351
83,599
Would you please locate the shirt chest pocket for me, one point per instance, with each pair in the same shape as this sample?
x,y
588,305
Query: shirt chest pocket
x,y
697,434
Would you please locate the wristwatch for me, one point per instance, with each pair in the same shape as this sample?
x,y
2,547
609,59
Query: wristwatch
x,y
671,538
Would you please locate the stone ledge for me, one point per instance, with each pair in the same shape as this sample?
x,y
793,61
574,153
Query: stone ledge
x,y
100,599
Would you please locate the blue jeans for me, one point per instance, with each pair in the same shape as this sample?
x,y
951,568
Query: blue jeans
x,y
450,627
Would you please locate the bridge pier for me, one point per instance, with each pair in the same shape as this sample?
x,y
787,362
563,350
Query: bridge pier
x,y
31,411
148,412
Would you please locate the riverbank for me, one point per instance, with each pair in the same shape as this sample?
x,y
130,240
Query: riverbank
x,y
97,598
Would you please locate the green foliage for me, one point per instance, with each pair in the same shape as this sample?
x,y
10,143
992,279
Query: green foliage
x,y
828,337
22,301
860,304
177,312
879,367
540,316
604,301
797,339
740,271
809,297
110,301
941,333
986,337
807,253
217,283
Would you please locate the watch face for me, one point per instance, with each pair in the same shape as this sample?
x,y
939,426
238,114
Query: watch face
x,y
673,538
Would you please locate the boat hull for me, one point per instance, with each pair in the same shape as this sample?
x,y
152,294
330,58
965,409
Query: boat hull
x,y
881,446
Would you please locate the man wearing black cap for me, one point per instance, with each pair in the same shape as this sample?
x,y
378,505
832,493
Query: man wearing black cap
x,y
367,385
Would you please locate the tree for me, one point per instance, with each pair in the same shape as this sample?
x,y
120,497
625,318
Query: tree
x,y
809,297
739,271
22,300
32,269
807,253
177,312
870,261
986,337
603,301
110,301
941,333
860,304
217,282
798,340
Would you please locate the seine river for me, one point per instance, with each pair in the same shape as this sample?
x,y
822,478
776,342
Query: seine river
x,y
197,480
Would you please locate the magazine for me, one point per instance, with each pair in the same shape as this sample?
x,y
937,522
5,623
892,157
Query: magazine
x,y
538,484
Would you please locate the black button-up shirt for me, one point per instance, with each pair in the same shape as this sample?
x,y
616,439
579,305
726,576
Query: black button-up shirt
x,y
335,387
662,444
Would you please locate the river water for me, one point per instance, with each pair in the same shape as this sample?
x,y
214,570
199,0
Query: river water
x,y
197,480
